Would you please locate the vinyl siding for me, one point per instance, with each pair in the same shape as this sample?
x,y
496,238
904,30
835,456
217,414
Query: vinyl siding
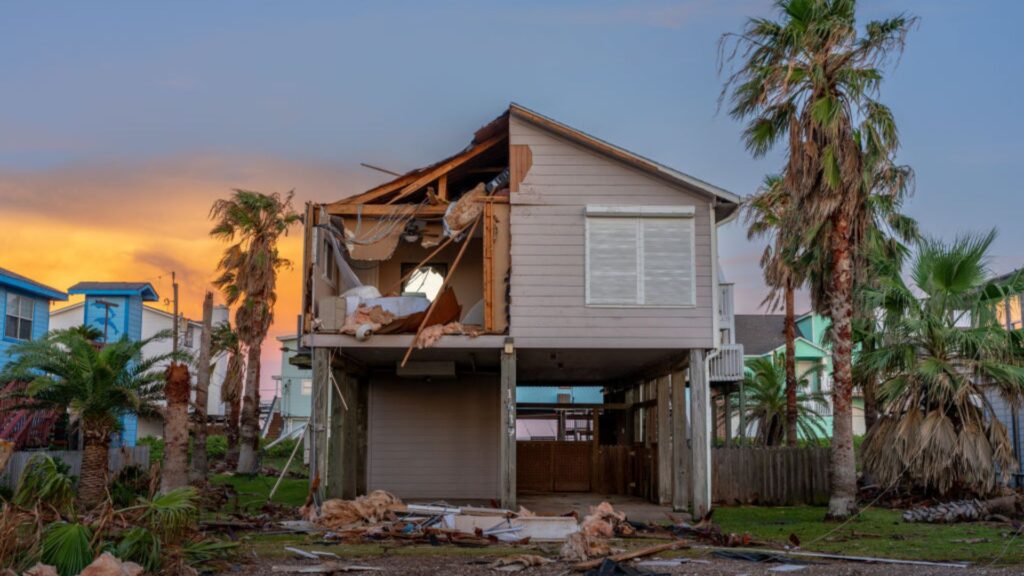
x,y
548,306
1004,413
433,440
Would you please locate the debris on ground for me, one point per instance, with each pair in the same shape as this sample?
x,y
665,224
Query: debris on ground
x,y
631,555
609,567
580,547
41,569
604,521
520,562
707,531
325,568
337,514
108,565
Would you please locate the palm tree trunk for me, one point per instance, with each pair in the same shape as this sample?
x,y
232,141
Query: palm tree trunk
x,y
174,473
92,482
870,403
843,501
790,368
231,431
200,464
250,424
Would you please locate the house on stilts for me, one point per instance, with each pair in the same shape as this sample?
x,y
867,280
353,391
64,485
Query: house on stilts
x,y
537,256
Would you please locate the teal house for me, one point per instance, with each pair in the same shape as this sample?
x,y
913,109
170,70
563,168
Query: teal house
x,y
762,335
115,309
25,309
294,394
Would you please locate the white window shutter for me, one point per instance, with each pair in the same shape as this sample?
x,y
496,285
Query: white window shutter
x,y
668,261
612,260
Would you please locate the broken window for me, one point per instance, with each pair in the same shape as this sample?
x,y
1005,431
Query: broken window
x,y
640,256
426,279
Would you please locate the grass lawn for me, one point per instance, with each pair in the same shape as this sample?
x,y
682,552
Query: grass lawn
x,y
253,490
876,532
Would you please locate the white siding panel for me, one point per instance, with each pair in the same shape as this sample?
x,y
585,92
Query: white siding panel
x,y
548,307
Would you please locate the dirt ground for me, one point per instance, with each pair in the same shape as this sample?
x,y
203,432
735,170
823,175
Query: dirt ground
x,y
431,566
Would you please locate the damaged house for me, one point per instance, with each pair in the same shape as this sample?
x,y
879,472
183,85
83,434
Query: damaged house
x,y
537,256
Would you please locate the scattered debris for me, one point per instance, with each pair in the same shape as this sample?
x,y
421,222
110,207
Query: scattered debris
x,y
108,565
788,568
755,556
336,514
520,562
631,555
302,553
580,547
41,569
609,567
711,533
325,568
605,522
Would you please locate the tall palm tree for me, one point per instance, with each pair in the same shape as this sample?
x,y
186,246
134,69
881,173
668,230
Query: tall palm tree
x,y
96,384
253,222
765,214
766,401
944,348
225,341
810,80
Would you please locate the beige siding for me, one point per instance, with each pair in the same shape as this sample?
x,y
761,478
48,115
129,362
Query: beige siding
x,y
434,439
548,306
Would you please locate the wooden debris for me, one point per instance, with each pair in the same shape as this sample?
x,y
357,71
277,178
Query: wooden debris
x,y
325,568
642,552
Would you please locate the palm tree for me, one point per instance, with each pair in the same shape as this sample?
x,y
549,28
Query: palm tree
x,y
765,213
96,384
253,222
809,80
767,405
943,350
225,341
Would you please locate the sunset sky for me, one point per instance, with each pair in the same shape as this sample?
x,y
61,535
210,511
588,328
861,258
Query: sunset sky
x,y
122,121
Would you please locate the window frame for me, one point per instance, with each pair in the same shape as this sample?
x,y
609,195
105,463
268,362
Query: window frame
x,y
639,213
18,298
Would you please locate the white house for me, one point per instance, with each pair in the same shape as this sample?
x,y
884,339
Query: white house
x,y
155,320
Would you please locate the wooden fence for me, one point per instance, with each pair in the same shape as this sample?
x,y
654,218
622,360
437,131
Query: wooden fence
x,y
770,476
119,458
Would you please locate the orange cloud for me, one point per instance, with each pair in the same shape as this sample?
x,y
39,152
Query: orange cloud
x,y
138,222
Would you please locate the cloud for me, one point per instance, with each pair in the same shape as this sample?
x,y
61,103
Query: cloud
x,y
671,15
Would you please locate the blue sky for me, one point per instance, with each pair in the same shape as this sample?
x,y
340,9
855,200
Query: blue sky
x,y
121,115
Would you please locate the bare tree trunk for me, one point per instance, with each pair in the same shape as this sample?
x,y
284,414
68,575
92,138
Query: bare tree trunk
x,y
250,422
842,467
175,467
790,331
200,464
92,483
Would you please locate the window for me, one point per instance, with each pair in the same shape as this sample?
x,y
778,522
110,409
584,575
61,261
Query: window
x,y
18,321
426,280
190,336
640,256
307,388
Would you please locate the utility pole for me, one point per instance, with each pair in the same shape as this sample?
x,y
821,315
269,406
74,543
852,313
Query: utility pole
x,y
174,287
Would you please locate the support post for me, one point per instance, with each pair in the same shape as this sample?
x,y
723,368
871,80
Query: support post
x,y
507,465
727,412
680,448
319,420
664,441
743,414
700,448
344,441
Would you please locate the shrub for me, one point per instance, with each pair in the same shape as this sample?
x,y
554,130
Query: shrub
x,y
46,480
282,450
129,484
156,448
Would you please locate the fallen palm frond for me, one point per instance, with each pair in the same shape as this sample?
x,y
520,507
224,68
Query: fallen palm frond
x,y
66,547
45,481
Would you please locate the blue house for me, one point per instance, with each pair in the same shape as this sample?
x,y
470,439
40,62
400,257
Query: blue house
x,y
115,309
25,309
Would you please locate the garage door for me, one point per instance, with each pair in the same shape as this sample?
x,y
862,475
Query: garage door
x,y
434,439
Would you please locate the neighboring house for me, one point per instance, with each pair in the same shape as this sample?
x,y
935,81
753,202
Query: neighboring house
x,y
293,396
591,266
119,309
562,413
25,310
1010,316
763,335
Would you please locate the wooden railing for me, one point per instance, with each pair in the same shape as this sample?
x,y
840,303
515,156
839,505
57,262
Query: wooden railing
x,y
727,366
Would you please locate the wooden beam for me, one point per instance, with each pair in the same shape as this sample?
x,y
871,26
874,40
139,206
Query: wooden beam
x,y
700,447
445,167
489,267
664,441
442,187
375,210
680,450
507,427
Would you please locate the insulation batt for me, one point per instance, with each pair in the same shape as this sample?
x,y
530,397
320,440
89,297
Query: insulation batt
x,y
336,513
376,316
465,211
431,334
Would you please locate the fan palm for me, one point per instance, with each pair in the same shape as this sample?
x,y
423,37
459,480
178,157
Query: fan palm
x,y
253,223
944,351
96,384
765,214
766,402
809,80
225,341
